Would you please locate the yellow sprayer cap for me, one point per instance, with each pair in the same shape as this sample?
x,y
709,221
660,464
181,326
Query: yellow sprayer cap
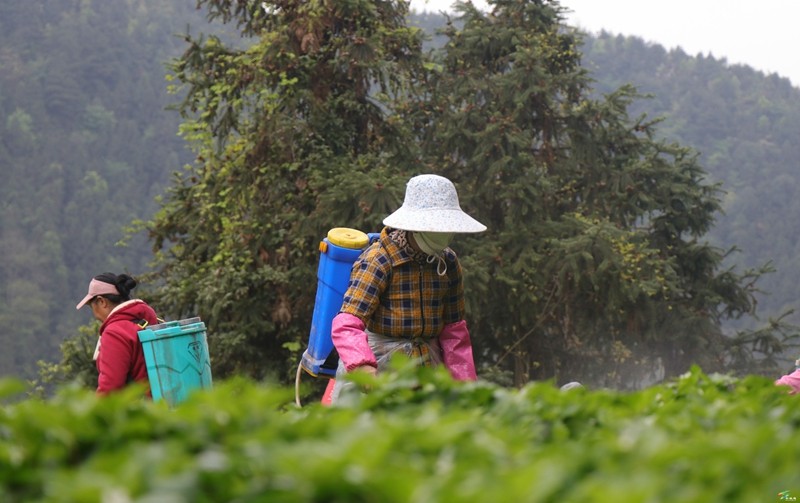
x,y
348,238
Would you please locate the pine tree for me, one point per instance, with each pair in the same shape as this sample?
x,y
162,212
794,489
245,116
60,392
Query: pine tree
x,y
593,267
294,135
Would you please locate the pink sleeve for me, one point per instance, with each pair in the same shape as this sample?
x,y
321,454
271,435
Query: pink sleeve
x,y
457,351
792,380
350,339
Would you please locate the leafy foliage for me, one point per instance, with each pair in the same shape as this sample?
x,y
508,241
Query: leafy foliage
x,y
86,143
417,436
593,267
294,136
743,122
594,252
85,146
77,364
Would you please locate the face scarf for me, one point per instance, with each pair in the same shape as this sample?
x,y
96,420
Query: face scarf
x,y
433,244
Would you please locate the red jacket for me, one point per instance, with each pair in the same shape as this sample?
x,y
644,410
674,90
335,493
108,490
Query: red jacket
x,y
121,359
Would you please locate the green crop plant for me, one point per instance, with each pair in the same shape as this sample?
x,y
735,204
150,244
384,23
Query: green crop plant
x,y
414,436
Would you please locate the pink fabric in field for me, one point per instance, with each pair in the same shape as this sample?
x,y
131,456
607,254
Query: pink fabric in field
x,y
350,339
792,380
457,351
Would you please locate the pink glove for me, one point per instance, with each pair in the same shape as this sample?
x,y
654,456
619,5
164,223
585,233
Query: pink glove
x,y
457,351
350,340
792,380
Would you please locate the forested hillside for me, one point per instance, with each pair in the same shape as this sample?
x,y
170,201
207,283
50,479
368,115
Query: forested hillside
x,y
745,125
87,143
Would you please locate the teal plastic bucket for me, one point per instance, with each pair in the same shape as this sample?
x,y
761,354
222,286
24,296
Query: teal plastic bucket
x,y
177,359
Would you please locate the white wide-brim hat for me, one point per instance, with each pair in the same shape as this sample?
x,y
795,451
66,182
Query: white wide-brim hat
x,y
431,205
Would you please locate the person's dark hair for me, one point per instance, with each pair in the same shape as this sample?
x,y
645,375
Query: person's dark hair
x,y
124,284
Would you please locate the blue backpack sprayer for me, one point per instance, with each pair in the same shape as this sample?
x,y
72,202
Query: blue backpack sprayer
x,y
338,251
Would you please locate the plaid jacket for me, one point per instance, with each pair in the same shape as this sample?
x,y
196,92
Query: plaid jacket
x,y
398,296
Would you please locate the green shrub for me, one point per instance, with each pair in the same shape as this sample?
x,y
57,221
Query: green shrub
x,y
415,436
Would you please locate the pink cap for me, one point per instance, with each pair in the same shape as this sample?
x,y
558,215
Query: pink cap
x,y
97,288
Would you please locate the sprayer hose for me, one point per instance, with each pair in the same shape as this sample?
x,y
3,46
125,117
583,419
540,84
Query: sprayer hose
x,y
297,385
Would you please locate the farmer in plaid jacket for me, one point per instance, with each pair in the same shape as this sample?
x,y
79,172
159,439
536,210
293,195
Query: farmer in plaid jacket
x,y
406,291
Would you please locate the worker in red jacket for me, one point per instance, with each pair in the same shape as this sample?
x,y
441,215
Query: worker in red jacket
x,y
119,355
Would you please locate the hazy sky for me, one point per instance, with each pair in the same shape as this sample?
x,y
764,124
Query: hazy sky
x,y
764,35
